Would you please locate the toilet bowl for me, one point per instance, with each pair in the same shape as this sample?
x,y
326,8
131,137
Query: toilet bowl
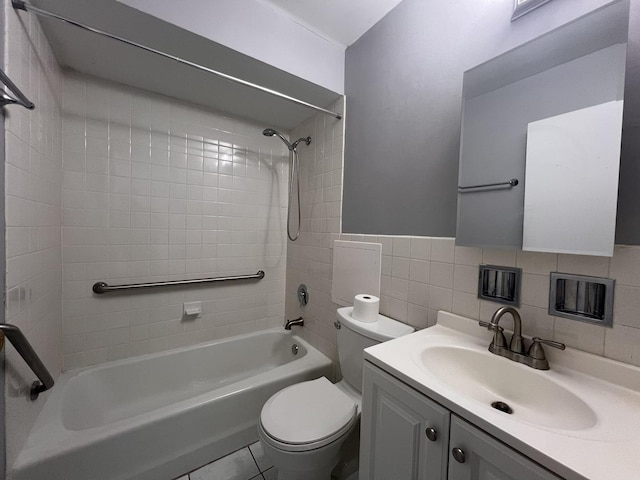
x,y
303,427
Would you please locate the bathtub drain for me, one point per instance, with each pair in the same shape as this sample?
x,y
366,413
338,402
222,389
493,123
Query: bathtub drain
x,y
294,349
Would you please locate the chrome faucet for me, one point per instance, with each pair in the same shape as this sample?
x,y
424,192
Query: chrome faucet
x,y
516,345
298,321
534,358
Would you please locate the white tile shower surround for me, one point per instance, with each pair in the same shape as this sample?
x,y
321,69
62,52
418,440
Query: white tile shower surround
x,y
33,213
421,275
248,463
156,189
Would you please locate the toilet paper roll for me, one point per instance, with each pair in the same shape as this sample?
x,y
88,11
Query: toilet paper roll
x,y
365,308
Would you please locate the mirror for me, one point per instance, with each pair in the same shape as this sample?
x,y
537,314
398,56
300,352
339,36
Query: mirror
x,y
574,78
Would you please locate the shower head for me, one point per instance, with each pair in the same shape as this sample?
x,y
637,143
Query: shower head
x,y
270,132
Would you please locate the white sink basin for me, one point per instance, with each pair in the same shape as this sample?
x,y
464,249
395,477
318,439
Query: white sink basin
x,y
488,378
579,419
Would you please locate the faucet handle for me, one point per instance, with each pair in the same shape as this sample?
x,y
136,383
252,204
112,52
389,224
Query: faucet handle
x,y
498,337
536,351
490,326
551,343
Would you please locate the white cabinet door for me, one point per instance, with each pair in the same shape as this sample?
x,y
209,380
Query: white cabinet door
x,y
482,457
397,442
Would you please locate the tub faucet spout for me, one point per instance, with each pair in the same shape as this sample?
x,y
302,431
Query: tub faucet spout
x,y
298,321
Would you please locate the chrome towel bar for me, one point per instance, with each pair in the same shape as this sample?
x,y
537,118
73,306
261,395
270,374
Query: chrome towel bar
x,y
26,351
102,287
511,183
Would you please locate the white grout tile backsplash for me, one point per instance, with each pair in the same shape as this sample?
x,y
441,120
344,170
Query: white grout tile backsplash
x,y
155,189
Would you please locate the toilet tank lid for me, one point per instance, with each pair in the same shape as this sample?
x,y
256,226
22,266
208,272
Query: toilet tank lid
x,y
383,329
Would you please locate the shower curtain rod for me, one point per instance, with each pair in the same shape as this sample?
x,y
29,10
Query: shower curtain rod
x,y
27,7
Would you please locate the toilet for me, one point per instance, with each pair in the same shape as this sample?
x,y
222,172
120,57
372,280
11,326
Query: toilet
x,y
303,427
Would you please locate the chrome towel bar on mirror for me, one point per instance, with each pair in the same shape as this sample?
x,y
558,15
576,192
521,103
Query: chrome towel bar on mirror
x,y
102,287
26,351
510,184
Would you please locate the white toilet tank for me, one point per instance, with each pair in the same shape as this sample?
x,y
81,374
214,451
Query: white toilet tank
x,y
354,336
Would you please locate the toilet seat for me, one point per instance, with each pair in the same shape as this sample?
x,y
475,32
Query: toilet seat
x,y
307,415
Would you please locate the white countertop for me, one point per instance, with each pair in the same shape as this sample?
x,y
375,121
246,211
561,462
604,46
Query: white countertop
x,y
608,449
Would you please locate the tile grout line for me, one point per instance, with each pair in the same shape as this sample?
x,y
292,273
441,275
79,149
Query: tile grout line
x,y
254,458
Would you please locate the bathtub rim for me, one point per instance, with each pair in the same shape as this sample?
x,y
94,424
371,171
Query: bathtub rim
x,y
67,374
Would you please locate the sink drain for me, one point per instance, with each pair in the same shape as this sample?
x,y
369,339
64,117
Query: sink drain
x,y
503,407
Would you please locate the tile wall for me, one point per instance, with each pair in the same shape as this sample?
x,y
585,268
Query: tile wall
x,y
421,275
33,189
309,258
156,189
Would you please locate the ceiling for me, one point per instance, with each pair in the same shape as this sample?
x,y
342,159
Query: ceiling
x,y
342,21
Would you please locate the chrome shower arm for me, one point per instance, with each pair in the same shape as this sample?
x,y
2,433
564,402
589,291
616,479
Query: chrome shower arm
x,y
306,140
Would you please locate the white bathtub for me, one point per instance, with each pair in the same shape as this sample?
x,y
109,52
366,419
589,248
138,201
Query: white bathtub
x,y
158,416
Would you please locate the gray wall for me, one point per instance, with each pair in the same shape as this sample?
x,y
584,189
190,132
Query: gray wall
x,y
404,89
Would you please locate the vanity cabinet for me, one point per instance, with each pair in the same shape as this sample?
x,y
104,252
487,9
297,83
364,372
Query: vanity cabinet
x,y
407,436
404,435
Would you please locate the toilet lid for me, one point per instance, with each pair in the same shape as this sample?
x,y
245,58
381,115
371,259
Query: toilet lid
x,y
307,412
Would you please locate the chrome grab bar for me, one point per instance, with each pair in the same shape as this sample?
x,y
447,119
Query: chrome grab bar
x,y
102,287
511,183
26,351
7,99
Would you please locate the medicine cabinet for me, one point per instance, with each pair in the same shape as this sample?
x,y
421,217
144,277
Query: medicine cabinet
x,y
540,142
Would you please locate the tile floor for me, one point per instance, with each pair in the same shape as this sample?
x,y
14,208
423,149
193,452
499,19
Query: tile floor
x,y
248,463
